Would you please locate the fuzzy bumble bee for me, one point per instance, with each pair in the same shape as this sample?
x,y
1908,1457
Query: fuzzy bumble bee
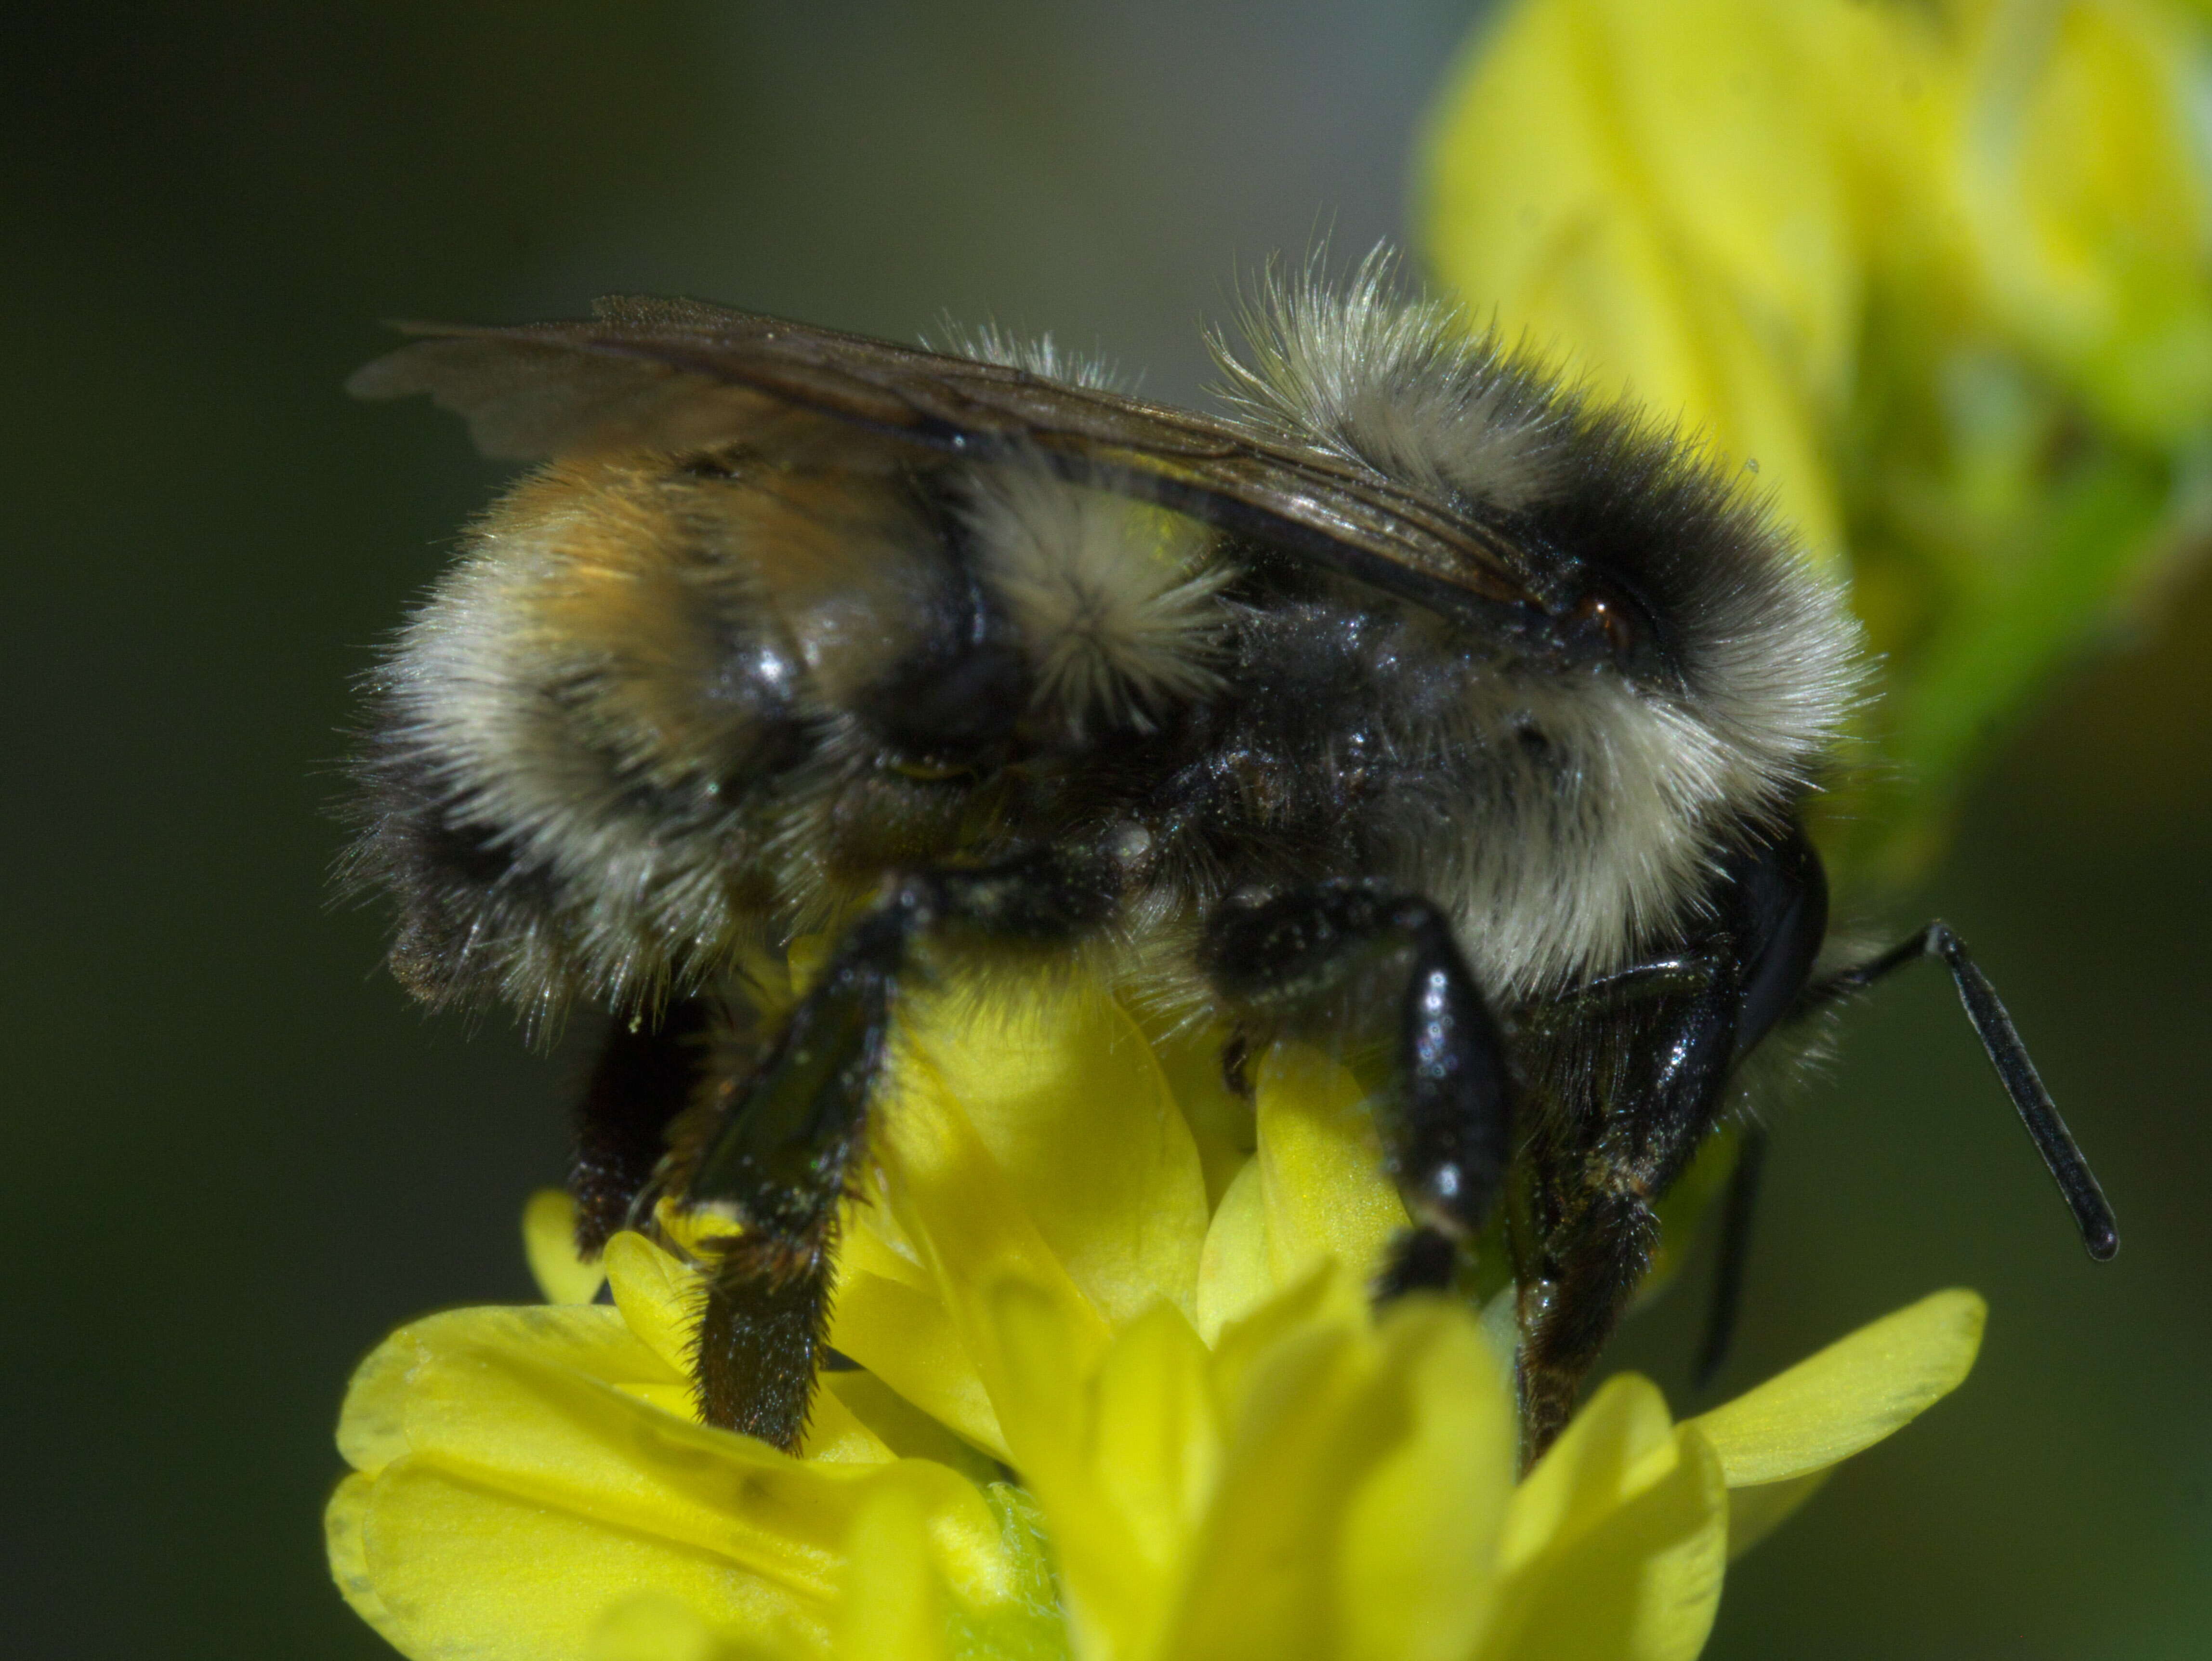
x,y
1414,701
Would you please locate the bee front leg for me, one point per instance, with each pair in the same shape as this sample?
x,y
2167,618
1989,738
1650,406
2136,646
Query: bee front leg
x,y
789,1134
1593,1264
1448,1135
1595,1182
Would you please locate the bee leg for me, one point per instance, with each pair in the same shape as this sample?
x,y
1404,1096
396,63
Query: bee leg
x,y
778,1162
1568,1311
791,1132
1597,1228
1738,1207
1449,1136
645,1074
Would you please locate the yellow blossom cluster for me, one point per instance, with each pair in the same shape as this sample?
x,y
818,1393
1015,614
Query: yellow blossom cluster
x,y
1103,1406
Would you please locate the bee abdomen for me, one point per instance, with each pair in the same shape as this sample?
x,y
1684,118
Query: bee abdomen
x,y
645,712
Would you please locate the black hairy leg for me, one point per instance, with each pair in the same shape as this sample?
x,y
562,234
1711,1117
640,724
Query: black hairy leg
x,y
2061,1156
1636,1067
788,1134
1584,1222
1738,1208
1448,1135
646,1073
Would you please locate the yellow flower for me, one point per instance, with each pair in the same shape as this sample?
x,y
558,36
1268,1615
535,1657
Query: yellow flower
x,y
1941,272
1118,1395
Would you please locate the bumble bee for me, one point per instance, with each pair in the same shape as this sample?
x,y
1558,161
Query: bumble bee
x,y
1413,672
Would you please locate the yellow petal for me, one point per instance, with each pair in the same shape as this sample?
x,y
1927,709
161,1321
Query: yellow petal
x,y
892,1610
2082,175
348,1554
1243,1351
1043,1397
532,1496
654,1627
907,1338
1220,1119
1234,1275
836,1435
1320,1168
1063,1092
376,1426
1123,1468
1641,1582
1260,1581
886,1315
1156,1433
548,1241
1421,1533
1586,179
1851,1395
902,1428
968,1221
1617,1446
462,1566
658,1297
556,1441
872,1243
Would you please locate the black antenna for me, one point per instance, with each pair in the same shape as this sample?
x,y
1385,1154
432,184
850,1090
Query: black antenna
x,y
2093,1214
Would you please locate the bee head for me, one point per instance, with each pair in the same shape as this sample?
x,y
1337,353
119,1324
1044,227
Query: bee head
x,y
1694,671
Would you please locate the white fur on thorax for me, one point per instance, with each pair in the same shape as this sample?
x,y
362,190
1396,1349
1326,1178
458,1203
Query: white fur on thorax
x,y
1555,873
1397,384
1113,600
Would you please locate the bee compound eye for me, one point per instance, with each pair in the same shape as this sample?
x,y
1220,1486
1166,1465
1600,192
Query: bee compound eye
x,y
1599,616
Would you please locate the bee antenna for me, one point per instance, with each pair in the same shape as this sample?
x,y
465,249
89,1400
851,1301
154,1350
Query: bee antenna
x,y
2093,1213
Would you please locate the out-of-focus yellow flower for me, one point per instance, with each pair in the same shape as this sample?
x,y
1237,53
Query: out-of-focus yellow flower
x,y
1120,1395
1942,271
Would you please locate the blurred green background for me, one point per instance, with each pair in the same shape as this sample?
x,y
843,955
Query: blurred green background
x,y
235,1156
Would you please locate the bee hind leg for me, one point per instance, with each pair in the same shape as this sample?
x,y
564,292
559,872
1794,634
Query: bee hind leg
x,y
1448,1132
788,1135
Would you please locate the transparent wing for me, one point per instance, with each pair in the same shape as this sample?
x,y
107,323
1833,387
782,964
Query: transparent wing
x,y
681,374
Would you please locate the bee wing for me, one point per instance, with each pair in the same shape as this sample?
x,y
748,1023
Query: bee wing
x,y
679,375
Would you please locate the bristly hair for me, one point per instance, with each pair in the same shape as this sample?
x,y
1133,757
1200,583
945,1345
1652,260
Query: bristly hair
x,y
1114,600
1037,355
1400,383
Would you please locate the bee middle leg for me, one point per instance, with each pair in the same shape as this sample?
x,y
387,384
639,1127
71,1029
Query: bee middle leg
x,y
1739,1206
1448,1137
788,1134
